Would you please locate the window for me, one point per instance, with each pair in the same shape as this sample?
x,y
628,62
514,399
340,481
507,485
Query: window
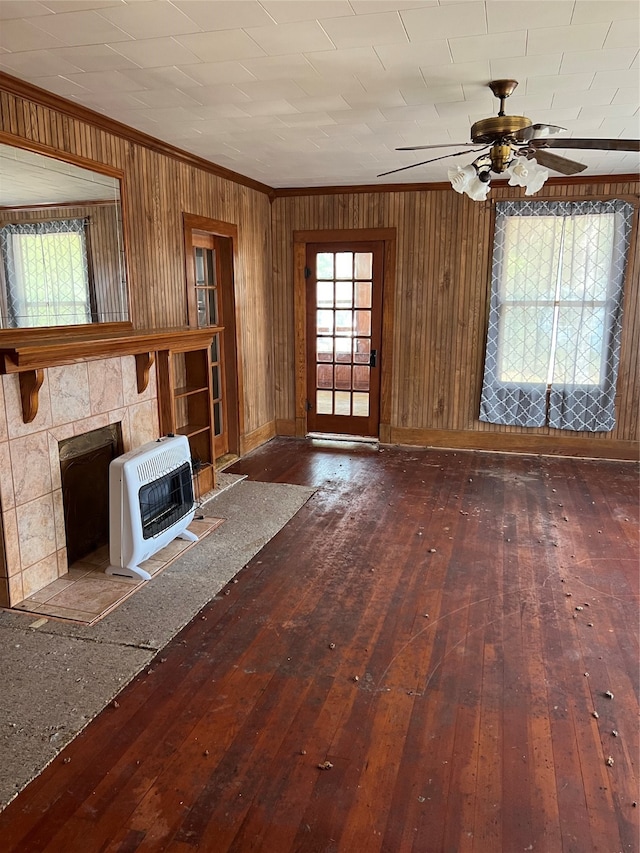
x,y
46,273
555,314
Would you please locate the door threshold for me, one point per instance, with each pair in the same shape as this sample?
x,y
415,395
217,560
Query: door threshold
x,y
340,436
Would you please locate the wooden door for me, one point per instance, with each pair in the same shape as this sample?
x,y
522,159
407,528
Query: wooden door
x,y
209,306
344,323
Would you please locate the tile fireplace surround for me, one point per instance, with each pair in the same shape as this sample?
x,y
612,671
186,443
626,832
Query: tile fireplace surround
x,y
73,399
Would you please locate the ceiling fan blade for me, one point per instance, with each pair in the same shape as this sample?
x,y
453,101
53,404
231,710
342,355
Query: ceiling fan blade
x,y
555,162
442,145
538,131
594,144
424,162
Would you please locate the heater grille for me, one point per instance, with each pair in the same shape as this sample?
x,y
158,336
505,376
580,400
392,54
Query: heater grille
x,y
166,500
160,464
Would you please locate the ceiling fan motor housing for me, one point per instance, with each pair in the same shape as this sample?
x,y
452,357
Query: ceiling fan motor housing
x,y
498,128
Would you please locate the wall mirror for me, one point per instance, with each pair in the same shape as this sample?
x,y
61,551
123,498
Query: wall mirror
x,y
61,243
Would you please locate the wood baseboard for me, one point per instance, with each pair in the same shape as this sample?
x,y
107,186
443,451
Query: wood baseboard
x,y
285,427
259,436
545,445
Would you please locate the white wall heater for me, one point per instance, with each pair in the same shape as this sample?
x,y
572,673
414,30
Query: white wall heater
x,y
150,503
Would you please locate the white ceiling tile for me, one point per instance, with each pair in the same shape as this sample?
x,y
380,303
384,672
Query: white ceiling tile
x,y
315,119
459,109
492,46
577,38
352,117
61,86
598,60
271,90
105,81
161,78
281,67
362,30
626,96
588,97
320,104
168,115
608,111
524,67
222,110
286,11
113,101
307,36
223,93
459,72
94,57
367,7
18,35
156,53
10,9
434,22
622,34
85,27
557,116
30,65
211,73
225,15
262,108
58,6
221,46
388,98
589,11
354,60
559,83
154,19
618,79
167,98
396,57
421,112
319,87
431,95
507,17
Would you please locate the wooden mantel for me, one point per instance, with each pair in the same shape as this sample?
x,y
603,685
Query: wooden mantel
x,y
30,356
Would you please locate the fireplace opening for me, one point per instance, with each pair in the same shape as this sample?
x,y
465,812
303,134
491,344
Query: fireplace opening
x,y
84,469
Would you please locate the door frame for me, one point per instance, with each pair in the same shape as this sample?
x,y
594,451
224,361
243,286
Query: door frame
x,y
231,337
344,235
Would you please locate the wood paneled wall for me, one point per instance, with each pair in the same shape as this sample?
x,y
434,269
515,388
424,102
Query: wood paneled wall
x,y
157,189
444,247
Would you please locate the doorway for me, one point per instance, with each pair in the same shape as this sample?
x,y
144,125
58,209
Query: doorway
x,y
344,336
211,303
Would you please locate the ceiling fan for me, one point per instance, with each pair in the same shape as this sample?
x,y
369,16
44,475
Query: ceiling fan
x,y
515,146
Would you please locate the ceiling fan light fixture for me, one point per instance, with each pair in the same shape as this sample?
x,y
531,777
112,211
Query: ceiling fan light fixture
x,y
528,174
464,179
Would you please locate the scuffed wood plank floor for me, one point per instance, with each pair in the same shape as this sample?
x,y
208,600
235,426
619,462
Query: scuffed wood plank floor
x,y
441,627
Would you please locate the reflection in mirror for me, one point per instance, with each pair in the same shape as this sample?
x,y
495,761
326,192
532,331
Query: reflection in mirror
x,y
61,247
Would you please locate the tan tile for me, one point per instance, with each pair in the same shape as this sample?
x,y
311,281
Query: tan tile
x,y
79,570
143,423
63,612
100,558
172,550
39,575
12,564
63,562
54,460
7,497
15,589
43,595
13,405
69,390
36,530
58,517
105,385
91,595
88,424
30,467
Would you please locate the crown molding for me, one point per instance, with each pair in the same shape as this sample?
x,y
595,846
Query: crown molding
x,y
22,89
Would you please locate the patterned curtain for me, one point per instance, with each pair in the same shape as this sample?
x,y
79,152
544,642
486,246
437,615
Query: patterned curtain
x,y
46,273
553,342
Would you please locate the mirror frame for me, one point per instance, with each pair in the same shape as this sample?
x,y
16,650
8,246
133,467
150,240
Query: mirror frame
x,y
97,330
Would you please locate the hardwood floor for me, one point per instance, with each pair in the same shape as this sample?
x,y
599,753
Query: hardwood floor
x,y
441,627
